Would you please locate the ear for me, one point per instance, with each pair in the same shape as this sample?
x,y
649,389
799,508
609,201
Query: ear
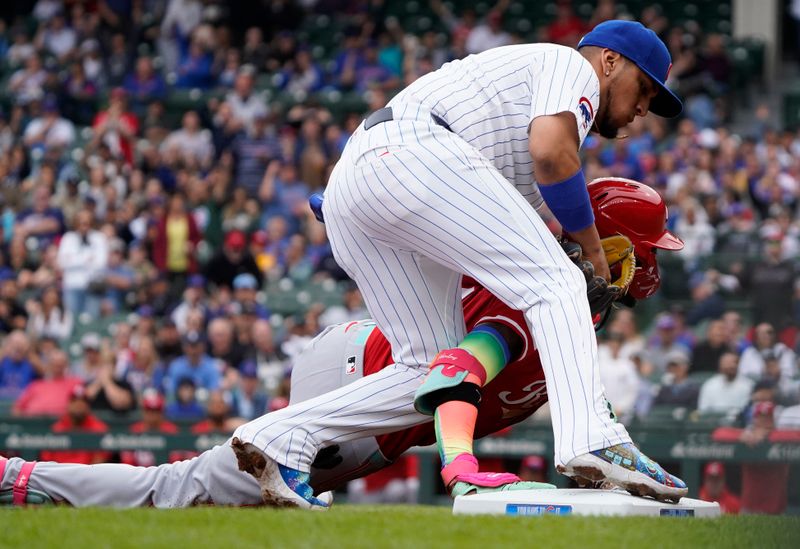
x,y
610,60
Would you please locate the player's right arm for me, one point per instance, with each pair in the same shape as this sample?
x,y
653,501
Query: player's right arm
x,y
553,145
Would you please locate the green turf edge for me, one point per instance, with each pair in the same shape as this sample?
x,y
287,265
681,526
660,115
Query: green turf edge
x,y
376,526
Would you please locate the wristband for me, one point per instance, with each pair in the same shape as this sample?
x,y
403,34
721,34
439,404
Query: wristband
x,y
569,201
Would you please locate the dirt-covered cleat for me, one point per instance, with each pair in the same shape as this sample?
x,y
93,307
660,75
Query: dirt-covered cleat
x,y
280,486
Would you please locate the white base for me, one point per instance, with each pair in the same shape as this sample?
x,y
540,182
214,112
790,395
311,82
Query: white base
x,y
578,502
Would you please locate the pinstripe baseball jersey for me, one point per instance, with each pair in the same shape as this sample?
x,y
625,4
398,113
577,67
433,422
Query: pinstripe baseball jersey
x,y
490,99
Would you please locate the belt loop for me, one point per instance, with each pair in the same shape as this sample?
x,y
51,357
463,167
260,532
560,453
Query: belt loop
x,y
385,115
378,117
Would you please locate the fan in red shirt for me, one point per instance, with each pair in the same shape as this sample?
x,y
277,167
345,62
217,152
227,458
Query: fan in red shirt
x,y
567,28
218,418
714,489
49,396
152,422
116,127
77,419
764,485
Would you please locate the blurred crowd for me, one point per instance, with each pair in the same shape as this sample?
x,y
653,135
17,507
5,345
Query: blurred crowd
x,y
138,244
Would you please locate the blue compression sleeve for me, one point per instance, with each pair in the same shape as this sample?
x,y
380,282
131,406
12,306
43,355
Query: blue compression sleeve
x,y
569,201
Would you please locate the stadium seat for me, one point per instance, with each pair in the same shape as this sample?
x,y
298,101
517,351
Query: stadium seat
x,y
5,407
700,377
791,109
710,421
665,417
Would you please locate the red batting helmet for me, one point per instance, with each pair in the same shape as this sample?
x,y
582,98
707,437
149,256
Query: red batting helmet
x,y
627,207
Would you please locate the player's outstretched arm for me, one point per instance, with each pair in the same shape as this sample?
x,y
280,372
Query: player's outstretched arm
x,y
211,477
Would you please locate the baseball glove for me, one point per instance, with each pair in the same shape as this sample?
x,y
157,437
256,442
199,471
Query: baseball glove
x,y
602,294
619,254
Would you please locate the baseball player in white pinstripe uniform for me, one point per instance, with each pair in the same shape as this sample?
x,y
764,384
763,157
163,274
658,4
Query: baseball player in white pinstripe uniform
x,y
446,181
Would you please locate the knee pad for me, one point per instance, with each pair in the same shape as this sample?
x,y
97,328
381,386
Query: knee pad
x,y
445,381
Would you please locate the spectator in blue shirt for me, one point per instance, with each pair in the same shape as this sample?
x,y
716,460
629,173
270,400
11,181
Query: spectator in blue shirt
x,y
349,61
194,364
41,220
301,76
245,288
318,248
185,406
16,370
372,74
254,151
249,399
4,39
118,278
196,68
144,85
289,196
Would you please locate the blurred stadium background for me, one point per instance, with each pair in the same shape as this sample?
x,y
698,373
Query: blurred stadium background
x,y
155,161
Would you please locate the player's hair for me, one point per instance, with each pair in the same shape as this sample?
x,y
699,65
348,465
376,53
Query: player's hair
x,y
590,52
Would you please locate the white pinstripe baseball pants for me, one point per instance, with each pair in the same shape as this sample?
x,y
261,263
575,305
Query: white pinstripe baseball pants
x,y
409,207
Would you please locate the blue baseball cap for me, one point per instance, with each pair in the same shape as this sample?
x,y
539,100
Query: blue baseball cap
x,y
642,46
245,281
249,368
196,281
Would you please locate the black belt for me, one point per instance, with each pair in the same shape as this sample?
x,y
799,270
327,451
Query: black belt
x,y
385,115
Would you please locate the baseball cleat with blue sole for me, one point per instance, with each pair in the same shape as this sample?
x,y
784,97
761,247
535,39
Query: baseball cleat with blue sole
x,y
280,486
625,466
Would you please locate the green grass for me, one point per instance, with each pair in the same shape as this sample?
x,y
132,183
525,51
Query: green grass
x,y
396,526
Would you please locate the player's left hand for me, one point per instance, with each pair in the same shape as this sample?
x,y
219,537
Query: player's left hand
x,y
599,264
601,294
